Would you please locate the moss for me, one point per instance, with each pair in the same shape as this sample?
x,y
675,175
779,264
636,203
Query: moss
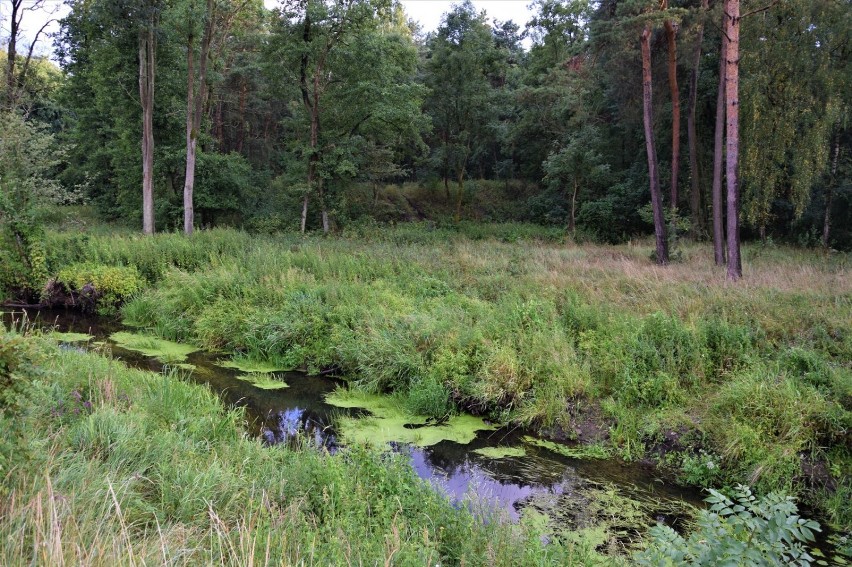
x,y
391,422
251,366
501,452
70,337
576,452
166,352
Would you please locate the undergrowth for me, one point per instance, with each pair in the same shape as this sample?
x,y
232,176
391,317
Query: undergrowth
x,y
126,467
673,363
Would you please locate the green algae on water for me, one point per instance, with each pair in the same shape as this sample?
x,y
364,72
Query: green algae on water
x,y
501,452
264,381
576,452
251,366
391,422
70,337
167,352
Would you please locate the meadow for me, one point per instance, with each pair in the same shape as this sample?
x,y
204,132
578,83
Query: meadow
x,y
105,465
713,382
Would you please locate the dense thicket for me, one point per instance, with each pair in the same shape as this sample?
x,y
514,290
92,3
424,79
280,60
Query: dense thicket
x,y
310,100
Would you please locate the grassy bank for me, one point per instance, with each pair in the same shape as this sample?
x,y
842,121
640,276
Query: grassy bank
x,y
103,465
720,383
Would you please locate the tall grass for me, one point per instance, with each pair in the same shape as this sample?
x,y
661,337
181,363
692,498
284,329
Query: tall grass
x,y
511,321
126,467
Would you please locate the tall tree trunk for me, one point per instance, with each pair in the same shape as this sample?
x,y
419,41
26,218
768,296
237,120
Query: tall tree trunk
x,y
572,219
323,208
195,111
189,177
304,212
675,94
692,137
719,155
829,191
653,174
147,50
219,126
314,157
11,52
459,194
306,100
241,128
732,114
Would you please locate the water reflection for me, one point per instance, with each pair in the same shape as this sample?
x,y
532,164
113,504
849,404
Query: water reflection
x,y
298,425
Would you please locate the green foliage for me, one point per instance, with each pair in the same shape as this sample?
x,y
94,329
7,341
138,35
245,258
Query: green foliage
x,y
113,284
589,340
28,156
20,363
158,467
743,530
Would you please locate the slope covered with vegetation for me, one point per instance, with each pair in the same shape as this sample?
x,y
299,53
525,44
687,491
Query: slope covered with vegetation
x,y
718,383
104,465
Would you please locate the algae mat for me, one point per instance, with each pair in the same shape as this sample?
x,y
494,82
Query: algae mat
x,y
573,452
391,422
264,381
251,366
70,337
501,452
166,352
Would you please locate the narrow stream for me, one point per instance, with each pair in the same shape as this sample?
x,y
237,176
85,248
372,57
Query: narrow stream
x,y
568,490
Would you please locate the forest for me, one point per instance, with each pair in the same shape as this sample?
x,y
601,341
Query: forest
x,y
599,259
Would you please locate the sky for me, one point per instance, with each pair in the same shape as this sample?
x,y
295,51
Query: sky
x,y
427,12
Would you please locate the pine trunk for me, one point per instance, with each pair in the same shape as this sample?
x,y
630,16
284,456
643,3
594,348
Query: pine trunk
x,y
675,94
732,114
719,157
691,134
653,173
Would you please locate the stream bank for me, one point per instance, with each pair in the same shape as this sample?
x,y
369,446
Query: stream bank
x,y
503,473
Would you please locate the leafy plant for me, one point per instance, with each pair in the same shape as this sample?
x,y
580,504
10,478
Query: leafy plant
x,y
745,530
113,284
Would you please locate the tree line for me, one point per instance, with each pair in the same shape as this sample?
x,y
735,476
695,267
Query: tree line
x,y
246,113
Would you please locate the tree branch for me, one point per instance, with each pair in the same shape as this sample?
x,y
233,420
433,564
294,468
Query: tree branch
x,y
759,10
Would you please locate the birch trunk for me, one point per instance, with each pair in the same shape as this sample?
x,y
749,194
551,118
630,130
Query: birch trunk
x,y
146,97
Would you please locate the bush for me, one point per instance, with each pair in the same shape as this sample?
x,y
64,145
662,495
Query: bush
x,y
113,284
744,530
19,364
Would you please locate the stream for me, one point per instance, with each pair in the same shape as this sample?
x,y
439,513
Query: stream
x,y
609,497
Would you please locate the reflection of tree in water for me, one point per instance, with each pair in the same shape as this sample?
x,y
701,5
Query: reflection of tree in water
x,y
490,488
298,425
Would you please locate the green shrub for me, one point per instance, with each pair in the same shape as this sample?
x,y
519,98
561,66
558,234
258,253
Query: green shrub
x,y
728,347
113,284
20,364
743,530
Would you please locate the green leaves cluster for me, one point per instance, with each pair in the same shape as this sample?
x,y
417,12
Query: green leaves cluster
x,y
742,530
29,157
